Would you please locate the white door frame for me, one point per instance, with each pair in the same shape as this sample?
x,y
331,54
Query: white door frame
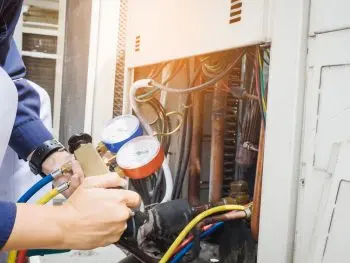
x,y
102,65
283,131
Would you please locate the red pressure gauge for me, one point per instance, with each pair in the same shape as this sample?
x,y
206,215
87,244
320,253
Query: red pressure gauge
x,y
140,157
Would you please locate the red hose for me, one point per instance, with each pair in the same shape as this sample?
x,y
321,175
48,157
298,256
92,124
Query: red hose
x,y
22,256
189,239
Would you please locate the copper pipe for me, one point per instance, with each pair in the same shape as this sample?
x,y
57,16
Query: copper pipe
x,y
196,148
254,224
217,144
232,215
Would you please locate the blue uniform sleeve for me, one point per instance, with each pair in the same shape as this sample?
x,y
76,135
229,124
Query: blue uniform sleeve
x,y
28,132
8,213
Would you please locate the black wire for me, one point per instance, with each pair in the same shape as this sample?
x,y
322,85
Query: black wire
x,y
141,187
185,140
181,152
186,150
157,187
147,198
196,248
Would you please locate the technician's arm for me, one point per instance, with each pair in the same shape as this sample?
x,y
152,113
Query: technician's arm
x,y
92,217
28,132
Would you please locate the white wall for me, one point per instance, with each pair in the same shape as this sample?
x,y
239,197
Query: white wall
x,y
102,64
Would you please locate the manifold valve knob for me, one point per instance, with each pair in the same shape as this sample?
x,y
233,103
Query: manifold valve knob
x,y
76,140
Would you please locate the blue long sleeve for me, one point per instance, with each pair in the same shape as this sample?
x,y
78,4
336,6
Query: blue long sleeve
x,y
8,213
28,132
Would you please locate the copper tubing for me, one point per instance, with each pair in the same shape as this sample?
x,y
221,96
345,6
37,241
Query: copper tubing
x,y
217,144
232,215
255,219
224,201
196,147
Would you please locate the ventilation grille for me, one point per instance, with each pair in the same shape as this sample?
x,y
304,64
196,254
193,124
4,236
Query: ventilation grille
x,y
137,44
236,11
120,63
40,43
42,71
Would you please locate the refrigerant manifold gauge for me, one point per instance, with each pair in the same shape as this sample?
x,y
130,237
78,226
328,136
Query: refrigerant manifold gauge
x,y
140,157
120,130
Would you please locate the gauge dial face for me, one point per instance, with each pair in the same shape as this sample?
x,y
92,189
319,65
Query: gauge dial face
x,y
138,152
120,129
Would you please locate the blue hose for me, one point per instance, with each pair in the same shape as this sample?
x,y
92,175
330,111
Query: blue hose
x,y
24,198
187,248
35,188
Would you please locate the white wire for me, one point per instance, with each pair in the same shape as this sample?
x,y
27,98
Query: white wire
x,y
152,83
167,173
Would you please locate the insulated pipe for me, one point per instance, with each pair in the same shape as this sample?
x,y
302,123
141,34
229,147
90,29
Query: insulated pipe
x,y
254,223
196,147
217,144
167,173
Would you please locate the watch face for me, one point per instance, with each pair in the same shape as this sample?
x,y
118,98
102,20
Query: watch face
x,y
138,152
120,129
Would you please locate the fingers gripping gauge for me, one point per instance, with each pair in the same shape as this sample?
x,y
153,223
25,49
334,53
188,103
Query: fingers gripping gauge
x,y
140,157
120,130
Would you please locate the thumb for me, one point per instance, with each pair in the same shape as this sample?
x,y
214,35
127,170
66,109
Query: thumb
x,y
110,180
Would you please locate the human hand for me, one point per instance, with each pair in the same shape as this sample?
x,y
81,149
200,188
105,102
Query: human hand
x,y
96,216
56,161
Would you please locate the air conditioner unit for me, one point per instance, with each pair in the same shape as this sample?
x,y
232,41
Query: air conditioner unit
x,y
162,30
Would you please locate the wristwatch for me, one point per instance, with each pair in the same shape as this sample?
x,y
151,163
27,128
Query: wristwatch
x,y
42,153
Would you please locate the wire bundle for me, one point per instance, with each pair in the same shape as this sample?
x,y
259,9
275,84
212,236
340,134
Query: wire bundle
x,y
184,249
260,82
192,224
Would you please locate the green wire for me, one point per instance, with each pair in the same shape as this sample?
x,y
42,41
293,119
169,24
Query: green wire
x,y
262,90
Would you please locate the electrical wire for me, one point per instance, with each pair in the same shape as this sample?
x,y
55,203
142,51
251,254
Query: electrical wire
x,y
256,73
212,220
178,256
262,82
189,239
177,128
193,223
150,82
145,97
196,244
43,200
167,172
157,187
185,141
185,151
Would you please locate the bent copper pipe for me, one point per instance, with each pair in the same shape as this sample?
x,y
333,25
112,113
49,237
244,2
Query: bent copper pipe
x,y
217,144
196,147
255,219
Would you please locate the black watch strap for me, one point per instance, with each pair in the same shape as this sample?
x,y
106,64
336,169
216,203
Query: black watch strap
x,y
42,153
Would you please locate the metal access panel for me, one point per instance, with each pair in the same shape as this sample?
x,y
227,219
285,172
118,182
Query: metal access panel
x,y
325,177
162,30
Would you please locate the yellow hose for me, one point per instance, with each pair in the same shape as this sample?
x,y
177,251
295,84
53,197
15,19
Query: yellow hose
x,y
193,223
43,200
48,196
12,256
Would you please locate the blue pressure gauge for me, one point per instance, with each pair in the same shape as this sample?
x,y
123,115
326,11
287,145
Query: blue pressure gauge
x,y
120,130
